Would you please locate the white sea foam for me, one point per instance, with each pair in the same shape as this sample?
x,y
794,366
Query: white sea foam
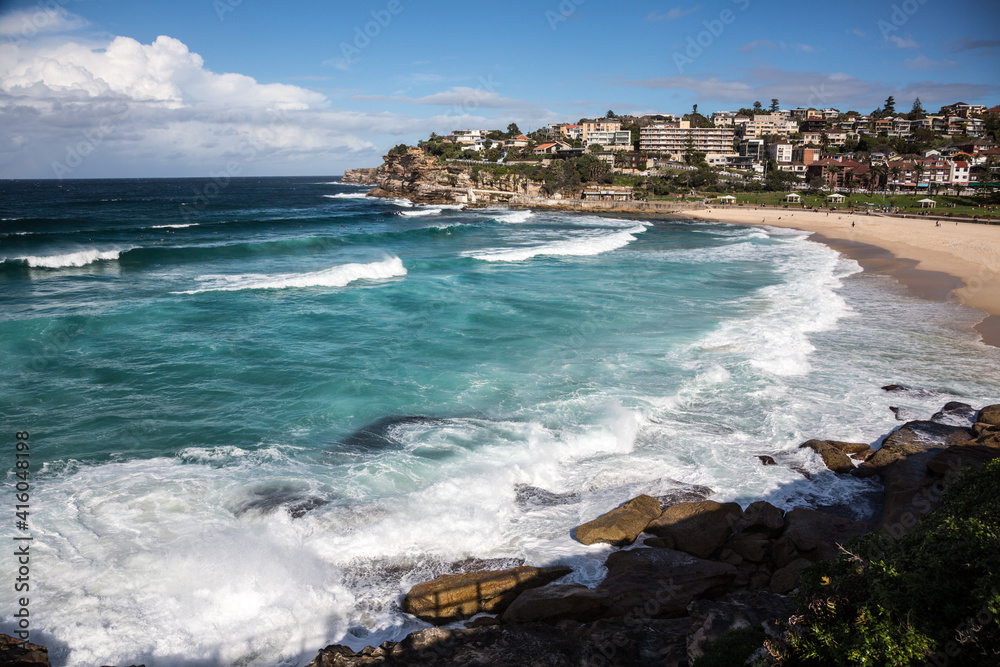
x,y
420,212
348,195
190,224
516,217
73,259
579,245
337,276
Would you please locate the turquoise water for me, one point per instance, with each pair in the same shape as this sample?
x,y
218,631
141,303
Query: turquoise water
x,y
260,413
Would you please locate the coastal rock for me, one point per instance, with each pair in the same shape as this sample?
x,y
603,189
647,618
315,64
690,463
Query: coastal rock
x,y
955,414
833,458
660,583
911,439
816,535
18,653
556,603
617,642
452,597
712,618
530,497
959,457
621,525
698,528
751,546
767,460
990,415
786,579
359,176
894,388
761,516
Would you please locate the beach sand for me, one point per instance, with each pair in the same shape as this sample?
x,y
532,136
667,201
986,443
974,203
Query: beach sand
x,y
954,260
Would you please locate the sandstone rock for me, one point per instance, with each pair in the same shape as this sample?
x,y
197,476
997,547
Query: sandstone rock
x,y
729,556
360,176
452,597
863,456
660,583
621,525
751,546
990,415
698,528
17,653
712,618
783,552
762,517
556,603
980,429
767,460
617,642
786,579
835,453
911,439
816,535
759,580
956,414
957,458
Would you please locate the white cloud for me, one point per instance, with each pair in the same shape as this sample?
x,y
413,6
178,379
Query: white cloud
x,y
158,103
675,13
27,23
923,63
903,42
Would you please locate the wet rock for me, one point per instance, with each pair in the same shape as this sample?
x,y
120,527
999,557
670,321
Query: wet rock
x,y
816,535
767,460
622,525
956,414
556,603
990,415
894,388
698,528
18,653
531,497
786,579
835,453
911,439
712,618
960,457
452,597
980,429
660,583
383,433
763,517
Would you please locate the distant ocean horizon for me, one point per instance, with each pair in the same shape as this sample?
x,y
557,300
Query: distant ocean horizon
x,y
261,410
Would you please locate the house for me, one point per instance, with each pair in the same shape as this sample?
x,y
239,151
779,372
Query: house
x,y
812,138
768,124
467,136
960,173
965,110
837,173
572,132
552,147
608,193
835,137
780,152
520,141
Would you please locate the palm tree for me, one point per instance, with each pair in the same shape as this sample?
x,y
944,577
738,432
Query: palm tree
x,y
878,172
919,170
896,173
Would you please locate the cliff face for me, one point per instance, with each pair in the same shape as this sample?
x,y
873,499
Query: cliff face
x,y
421,178
359,176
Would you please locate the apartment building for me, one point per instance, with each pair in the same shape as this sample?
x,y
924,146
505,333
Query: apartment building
x,y
676,138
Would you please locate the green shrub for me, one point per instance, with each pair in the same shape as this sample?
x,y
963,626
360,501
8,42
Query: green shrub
x,y
931,596
732,648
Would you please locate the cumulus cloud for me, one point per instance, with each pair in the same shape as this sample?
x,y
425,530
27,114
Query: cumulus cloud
x,y
969,44
903,42
923,63
158,102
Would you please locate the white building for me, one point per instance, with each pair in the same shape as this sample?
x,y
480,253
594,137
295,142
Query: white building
x,y
677,138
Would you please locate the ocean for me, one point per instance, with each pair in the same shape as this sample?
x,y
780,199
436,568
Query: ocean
x,y
261,409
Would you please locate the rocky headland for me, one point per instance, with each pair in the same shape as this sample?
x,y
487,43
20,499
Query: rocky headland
x,y
686,570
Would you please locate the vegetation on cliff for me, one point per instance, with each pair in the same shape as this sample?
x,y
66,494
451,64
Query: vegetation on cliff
x,y
933,594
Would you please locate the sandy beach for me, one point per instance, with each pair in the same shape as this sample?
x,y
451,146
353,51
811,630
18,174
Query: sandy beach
x,y
960,259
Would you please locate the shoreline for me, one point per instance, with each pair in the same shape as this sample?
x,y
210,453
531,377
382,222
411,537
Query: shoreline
x,y
954,261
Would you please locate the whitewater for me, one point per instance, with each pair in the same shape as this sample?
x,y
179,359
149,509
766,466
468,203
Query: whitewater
x,y
256,423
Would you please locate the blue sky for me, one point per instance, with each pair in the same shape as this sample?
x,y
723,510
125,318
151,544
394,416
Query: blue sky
x,y
105,88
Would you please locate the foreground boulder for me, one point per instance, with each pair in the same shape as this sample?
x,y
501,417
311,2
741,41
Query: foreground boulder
x,y
711,618
990,415
698,528
452,597
557,603
18,653
622,525
816,535
605,642
660,583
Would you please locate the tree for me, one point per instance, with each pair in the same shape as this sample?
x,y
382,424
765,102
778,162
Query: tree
x,y
757,107
595,148
694,110
917,112
488,144
890,106
895,172
399,149
611,114
774,104
513,130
